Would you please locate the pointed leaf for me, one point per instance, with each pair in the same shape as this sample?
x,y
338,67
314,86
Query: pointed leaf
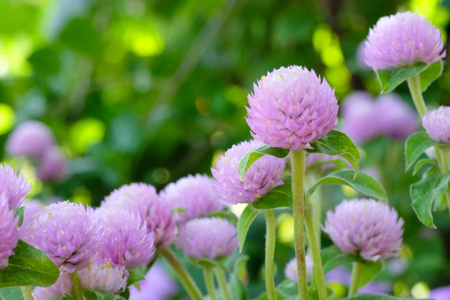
x,y
256,153
337,143
134,277
14,293
431,73
371,269
425,191
415,145
245,220
363,184
28,266
333,257
279,197
375,297
392,77
423,162
19,212
225,214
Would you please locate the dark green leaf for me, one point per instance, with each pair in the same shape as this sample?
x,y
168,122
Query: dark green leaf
x,y
371,269
390,78
425,191
245,220
363,184
45,61
80,36
18,212
226,214
134,277
337,143
415,145
11,294
423,162
279,197
431,73
256,153
375,297
28,266
333,257
94,295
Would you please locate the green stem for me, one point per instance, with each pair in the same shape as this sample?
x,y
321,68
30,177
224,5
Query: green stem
x,y
182,273
271,227
315,251
298,210
209,280
416,93
220,275
77,290
444,161
26,292
356,277
316,202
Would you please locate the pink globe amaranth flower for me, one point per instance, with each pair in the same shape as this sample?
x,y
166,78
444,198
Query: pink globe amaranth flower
x,y
104,278
365,227
67,232
143,199
262,176
396,118
31,138
54,292
14,187
211,238
291,107
158,285
403,39
194,195
437,124
126,239
9,233
291,269
52,166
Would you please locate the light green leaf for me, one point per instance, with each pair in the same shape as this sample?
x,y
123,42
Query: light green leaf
x,y
333,257
11,294
415,145
392,77
245,220
256,153
279,197
19,212
371,269
94,295
430,74
375,297
134,277
363,184
66,297
423,162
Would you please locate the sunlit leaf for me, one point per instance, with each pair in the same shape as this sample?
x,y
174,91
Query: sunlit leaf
x,y
249,158
392,77
279,197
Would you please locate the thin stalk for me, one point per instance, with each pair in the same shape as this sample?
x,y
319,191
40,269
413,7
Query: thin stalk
x,y
445,167
208,276
416,94
315,252
298,210
271,227
186,280
26,292
220,275
316,202
77,290
356,277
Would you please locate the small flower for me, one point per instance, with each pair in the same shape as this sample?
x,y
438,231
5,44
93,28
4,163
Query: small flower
x,y
104,278
365,227
262,176
52,166
158,285
143,199
403,39
54,292
31,138
291,107
9,233
437,123
291,269
194,195
14,187
211,238
126,240
67,232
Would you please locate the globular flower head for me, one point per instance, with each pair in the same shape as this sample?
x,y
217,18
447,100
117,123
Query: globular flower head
x,y
104,278
13,186
54,292
31,138
194,195
67,232
158,285
126,239
211,238
291,107
9,233
144,200
403,39
52,166
262,176
365,227
437,124
291,269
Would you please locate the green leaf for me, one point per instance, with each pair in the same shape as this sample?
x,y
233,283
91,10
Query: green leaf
x,y
337,143
66,297
94,295
431,73
425,191
279,197
422,163
333,257
134,277
80,36
256,153
375,297
225,214
415,145
28,266
363,184
14,293
390,78
19,212
371,269
245,220
45,61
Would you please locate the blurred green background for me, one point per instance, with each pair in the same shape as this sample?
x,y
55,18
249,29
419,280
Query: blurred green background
x,y
155,90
